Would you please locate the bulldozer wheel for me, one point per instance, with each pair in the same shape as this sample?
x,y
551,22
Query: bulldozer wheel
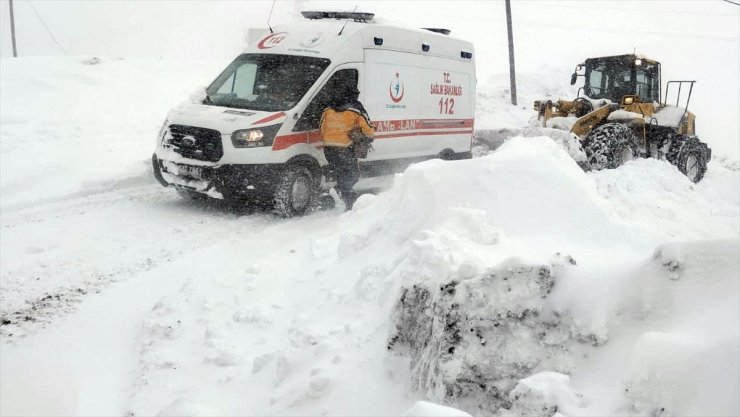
x,y
689,158
609,146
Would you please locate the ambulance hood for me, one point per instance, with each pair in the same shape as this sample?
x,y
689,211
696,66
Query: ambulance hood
x,y
224,119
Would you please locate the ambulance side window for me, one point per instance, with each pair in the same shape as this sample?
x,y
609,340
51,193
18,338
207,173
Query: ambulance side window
x,y
312,115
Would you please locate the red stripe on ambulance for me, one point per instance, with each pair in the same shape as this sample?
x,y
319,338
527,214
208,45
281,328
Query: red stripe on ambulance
x,y
405,128
414,124
286,141
269,118
409,134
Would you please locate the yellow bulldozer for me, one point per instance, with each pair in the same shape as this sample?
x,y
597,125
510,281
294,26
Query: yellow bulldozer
x,y
618,115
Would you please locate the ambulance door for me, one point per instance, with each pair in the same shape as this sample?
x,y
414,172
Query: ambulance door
x,y
342,75
393,83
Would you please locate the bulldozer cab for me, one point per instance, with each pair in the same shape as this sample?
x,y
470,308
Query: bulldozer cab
x,y
630,83
612,78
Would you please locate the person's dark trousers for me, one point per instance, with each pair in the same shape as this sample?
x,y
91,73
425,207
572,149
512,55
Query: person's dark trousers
x,y
343,163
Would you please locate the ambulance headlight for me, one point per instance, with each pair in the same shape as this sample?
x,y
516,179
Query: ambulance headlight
x,y
254,135
252,138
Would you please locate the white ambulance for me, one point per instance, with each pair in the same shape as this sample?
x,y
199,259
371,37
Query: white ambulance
x,y
254,132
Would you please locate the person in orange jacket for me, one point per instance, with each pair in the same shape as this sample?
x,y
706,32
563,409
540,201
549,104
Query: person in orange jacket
x,y
343,114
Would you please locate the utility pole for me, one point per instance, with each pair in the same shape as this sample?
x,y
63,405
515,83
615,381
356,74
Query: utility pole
x,y
12,29
512,73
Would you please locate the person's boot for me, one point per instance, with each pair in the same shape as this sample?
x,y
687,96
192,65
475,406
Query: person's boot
x,y
349,198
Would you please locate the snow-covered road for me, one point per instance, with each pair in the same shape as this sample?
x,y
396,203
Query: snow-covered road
x,y
123,260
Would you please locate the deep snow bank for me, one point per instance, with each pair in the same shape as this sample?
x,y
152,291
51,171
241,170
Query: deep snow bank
x,y
503,342
474,321
655,194
533,200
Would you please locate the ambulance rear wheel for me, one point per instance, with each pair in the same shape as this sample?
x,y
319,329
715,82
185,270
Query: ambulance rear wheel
x,y
295,193
446,155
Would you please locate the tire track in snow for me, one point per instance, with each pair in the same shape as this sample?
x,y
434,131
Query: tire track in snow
x,y
97,350
103,339
56,255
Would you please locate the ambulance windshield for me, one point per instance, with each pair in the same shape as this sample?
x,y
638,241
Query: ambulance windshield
x,y
265,82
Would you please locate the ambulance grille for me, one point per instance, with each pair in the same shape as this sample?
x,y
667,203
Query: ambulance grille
x,y
195,143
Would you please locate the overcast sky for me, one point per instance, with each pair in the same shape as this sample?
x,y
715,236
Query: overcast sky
x,y
544,29
693,39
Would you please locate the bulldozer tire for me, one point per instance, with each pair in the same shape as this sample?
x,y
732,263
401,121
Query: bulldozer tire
x,y
609,146
690,158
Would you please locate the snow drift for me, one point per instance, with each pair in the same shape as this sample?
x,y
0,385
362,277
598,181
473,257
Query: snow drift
x,y
501,285
474,322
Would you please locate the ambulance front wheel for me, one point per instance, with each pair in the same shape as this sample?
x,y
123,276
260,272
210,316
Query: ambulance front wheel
x,y
446,155
295,192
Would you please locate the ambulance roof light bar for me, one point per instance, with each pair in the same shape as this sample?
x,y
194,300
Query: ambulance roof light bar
x,y
355,16
439,30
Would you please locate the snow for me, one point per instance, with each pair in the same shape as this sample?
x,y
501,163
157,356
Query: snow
x,y
668,116
623,115
47,148
545,393
562,123
674,327
427,409
118,297
494,110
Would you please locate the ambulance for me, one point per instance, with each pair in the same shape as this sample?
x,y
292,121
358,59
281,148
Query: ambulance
x,y
253,132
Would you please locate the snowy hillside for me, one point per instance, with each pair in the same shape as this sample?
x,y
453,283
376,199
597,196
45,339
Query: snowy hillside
x,y
510,284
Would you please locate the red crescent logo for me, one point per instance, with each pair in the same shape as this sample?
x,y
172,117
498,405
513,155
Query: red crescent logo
x,y
272,40
390,92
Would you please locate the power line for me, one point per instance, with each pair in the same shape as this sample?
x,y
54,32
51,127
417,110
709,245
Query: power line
x,y
46,27
621,30
643,11
630,31
731,2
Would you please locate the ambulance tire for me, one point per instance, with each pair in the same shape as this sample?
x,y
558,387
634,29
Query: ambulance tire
x,y
295,193
446,155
